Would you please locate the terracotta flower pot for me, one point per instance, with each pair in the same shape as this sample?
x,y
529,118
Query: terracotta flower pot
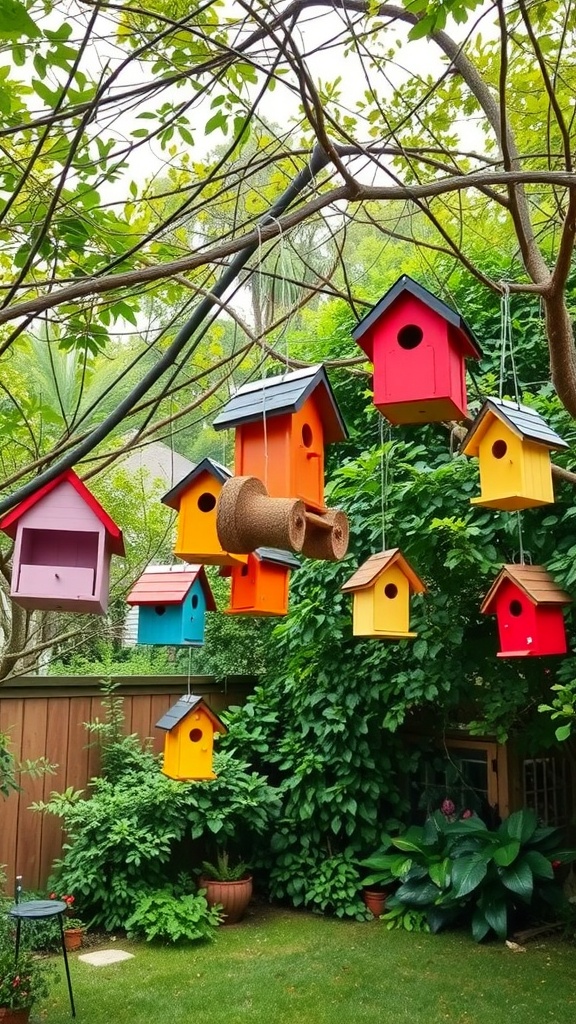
x,y
234,896
375,901
8,1016
73,938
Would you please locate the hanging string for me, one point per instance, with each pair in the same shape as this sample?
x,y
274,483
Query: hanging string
x,y
520,540
189,668
506,342
264,423
384,468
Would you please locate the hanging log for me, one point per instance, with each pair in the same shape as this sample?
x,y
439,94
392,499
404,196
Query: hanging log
x,y
248,518
326,535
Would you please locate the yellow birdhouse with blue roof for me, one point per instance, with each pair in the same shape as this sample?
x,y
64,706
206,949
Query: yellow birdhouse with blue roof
x,y
195,499
188,748
513,445
381,590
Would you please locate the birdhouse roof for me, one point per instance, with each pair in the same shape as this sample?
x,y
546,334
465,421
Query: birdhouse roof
x,y
405,285
533,580
188,703
170,584
9,522
286,393
520,419
366,575
215,469
275,555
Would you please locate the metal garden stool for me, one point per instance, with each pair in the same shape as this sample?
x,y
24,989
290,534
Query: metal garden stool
x,y
39,910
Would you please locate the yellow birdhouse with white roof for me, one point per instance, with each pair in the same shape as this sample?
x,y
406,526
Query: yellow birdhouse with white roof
x,y
381,590
188,748
513,445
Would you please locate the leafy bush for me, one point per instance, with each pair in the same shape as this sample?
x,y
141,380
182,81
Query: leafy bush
x,y
162,914
137,829
23,983
223,870
454,868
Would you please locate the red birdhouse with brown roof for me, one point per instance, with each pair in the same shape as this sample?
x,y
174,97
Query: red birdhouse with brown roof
x,y
528,607
418,346
63,544
283,425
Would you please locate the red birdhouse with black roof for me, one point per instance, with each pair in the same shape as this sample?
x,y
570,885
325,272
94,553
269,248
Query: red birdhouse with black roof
x,y
261,586
418,346
528,607
63,544
282,426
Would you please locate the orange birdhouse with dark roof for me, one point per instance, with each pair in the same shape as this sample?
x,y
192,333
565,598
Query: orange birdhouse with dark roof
x,y
381,590
282,426
261,586
513,445
190,726
528,607
195,499
418,346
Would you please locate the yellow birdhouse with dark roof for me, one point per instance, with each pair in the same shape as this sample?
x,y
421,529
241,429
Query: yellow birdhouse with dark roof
x,y
381,590
190,726
513,445
195,499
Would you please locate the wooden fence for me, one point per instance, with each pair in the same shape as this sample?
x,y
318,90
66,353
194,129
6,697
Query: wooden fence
x,y
44,718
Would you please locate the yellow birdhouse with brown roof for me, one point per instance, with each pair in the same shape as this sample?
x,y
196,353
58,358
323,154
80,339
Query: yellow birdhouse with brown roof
x,y
381,590
195,499
513,445
188,748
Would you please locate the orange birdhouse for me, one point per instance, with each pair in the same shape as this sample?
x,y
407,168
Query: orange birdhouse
x,y
195,499
513,445
418,346
528,607
190,726
261,586
381,590
282,426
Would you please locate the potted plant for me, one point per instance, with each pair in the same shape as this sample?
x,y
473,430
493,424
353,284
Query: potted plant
x,y
73,933
21,984
376,886
227,886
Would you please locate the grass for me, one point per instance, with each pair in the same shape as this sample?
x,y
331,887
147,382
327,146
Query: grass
x,y
285,967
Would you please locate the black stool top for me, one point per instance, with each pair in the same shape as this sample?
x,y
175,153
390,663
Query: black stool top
x,y
35,909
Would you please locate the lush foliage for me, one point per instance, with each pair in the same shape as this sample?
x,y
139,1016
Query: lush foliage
x,y
22,984
223,870
455,868
137,829
171,917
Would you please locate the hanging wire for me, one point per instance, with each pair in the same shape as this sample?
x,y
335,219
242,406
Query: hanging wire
x,y
520,539
264,423
189,668
506,342
384,472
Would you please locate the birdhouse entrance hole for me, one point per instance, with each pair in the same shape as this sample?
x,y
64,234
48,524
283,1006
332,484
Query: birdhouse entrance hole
x,y
391,590
515,607
410,336
206,502
160,609
307,435
59,547
194,601
499,449
195,735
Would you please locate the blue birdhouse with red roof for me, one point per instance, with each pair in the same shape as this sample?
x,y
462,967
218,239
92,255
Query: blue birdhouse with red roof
x,y
63,544
172,602
418,346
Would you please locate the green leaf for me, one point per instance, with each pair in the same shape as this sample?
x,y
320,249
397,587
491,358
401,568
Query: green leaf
x,y
563,732
519,879
480,926
467,873
15,21
521,825
505,855
497,917
539,865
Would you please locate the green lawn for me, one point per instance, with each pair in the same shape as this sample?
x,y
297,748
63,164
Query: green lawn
x,y
284,967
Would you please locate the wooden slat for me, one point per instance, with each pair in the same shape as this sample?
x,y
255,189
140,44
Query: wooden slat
x,y
29,841
56,753
11,722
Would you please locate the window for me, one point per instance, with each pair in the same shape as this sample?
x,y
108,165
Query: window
x,y
462,771
546,788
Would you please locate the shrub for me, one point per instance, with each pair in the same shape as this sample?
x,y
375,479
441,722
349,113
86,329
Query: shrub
x,y
164,915
23,983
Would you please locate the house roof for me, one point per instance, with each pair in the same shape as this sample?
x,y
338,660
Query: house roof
x,y
406,285
367,574
215,469
534,580
520,419
9,522
275,555
286,393
170,584
177,713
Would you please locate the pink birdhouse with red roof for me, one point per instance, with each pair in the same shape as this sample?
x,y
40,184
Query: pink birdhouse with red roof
x,y
418,346
63,544
528,607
